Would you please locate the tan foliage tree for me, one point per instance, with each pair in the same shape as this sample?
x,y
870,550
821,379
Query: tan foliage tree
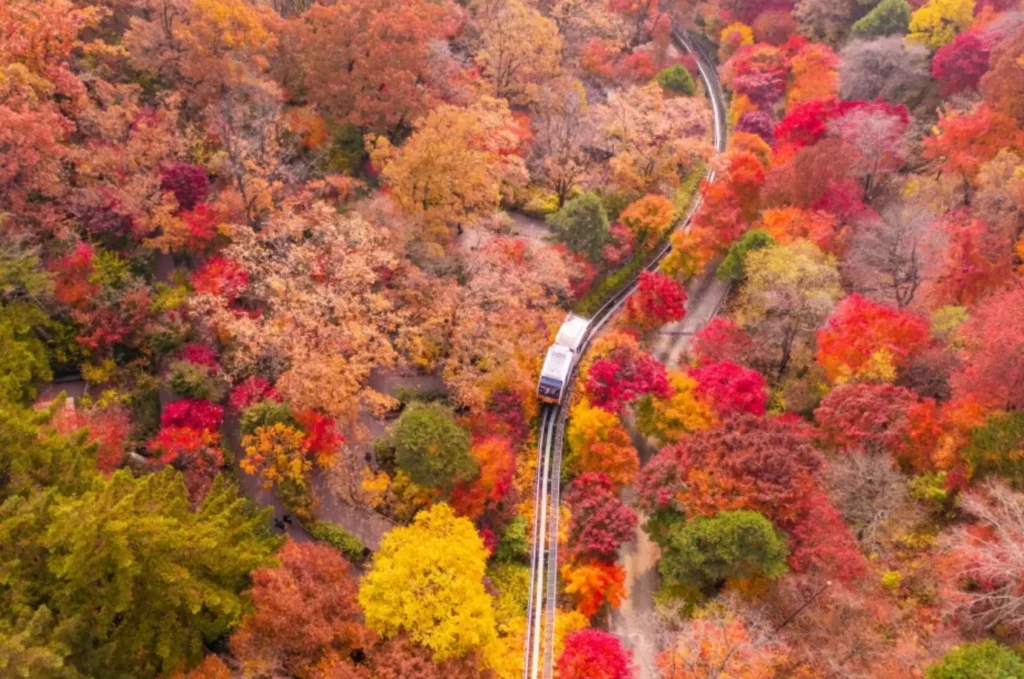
x,y
500,321
563,129
325,320
720,641
653,140
892,255
789,292
988,559
580,21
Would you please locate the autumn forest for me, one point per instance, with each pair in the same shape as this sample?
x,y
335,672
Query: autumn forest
x,y
278,281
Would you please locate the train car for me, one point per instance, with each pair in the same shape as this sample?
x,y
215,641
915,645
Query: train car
x,y
561,358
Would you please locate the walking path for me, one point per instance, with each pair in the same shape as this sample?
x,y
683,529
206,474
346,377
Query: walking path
x,y
639,558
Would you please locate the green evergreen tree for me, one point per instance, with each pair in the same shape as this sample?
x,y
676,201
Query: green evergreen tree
x,y
735,262
138,579
582,224
29,649
32,456
23,357
705,552
676,80
514,543
995,448
888,17
987,660
431,448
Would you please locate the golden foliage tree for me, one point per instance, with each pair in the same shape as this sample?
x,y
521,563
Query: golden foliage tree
x,y
427,581
519,48
939,21
456,166
602,444
277,453
669,420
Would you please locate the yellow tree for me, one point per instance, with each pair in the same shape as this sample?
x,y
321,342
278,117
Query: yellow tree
x,y
733,37
427,581
648,219
456,166
669,420
277,453
939,21
519,48
601,444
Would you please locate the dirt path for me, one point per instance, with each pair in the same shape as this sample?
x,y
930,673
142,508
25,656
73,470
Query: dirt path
x,y
706,294
639,557
523,226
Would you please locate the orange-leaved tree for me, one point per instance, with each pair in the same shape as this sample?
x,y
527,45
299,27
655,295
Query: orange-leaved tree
x,y
313,588
458,164
594,585
864,340
385,49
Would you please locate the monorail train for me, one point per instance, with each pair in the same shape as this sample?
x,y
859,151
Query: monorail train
x,y
561,358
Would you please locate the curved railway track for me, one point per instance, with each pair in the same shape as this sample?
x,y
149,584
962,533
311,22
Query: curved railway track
x,y
539,642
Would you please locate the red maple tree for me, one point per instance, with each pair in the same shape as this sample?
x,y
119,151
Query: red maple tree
x,y
732,388
593,654
624,376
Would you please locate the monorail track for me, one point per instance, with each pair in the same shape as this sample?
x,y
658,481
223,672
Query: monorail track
x,y
539,651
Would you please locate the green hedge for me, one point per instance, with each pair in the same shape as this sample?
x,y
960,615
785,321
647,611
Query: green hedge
x,y
339,538
607,288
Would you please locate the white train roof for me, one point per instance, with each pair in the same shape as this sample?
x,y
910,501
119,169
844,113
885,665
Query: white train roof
x,y
557,363
570,335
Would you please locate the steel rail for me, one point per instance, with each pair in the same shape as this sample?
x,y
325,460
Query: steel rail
x,y
535,618
534,552
543,588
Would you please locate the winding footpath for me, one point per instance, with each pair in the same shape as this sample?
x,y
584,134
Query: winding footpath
x,y
706,297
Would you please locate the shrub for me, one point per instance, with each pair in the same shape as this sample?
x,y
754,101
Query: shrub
x,y
192,380
582,225
677,80
264,414
987,660
708,551
513,544
432,449
995,448
734,264
347,150
888,17
351,547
